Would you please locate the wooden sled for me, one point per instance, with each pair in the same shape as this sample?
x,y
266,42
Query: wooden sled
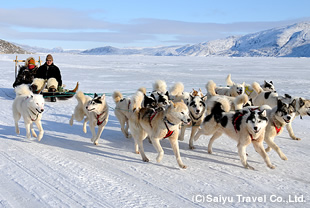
x,y
63,95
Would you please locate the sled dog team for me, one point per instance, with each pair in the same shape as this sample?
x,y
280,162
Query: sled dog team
x,y
247,113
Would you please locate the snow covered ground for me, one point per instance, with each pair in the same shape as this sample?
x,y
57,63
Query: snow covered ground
x,y
66,170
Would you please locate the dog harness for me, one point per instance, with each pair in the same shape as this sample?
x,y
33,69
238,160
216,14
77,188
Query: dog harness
x,y
277,129
169,133
98,116
152,116
248,91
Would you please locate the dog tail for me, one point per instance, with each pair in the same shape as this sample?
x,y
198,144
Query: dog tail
x,y
23,90
257,87
210,86
117,96
80,97
222,100
240,101
177,89
137,99
143,90
160,85
229,82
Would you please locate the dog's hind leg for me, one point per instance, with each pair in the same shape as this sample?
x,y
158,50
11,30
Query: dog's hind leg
x,y
291,132
159,149
215,136
242,155
175,146
275,147
260,150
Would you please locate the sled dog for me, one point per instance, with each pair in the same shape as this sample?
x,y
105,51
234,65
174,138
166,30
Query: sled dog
x,y
177,93
95,110
160,93
245,126
122,111
232,90
302,108
31,107
197,109
278,116
264,97
163,123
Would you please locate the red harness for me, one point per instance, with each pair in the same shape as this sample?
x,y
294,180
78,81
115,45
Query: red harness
x,y
169,133
277,129
100,122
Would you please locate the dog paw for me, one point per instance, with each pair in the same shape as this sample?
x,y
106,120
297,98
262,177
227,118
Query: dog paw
x,y
146,160
249,167
210,151
137,152
297,139
283,157
191,147
183,166
271,166
17,131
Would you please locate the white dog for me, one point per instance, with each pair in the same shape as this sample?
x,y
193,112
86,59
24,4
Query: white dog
x,y
31,107
163,123
95,110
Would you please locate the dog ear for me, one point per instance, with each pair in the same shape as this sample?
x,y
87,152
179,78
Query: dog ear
x,y
102,97
263,113
95,95
301,102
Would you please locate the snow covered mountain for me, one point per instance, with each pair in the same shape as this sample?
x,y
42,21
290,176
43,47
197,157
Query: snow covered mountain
x,y
289,41
9,48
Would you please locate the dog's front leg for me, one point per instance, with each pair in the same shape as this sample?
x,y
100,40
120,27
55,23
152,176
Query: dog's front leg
x,y
40,128
27,126
260,150
181,134
291,132
84,124
99,132
275,147
159,149
93,132
32,130
175,146
243,157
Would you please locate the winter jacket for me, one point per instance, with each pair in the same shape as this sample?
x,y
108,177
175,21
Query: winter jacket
x,y
25,76
49,71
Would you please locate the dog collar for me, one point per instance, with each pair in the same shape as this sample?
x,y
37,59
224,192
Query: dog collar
x,y
193,118
277,129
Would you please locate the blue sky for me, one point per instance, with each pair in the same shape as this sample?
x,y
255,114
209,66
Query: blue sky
x,y
137,23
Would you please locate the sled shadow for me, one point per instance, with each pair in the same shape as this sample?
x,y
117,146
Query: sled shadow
x,y
7,93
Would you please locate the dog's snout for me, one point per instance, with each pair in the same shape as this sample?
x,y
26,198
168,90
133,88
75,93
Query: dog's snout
x,y
255,128
188,120
42,110
288,117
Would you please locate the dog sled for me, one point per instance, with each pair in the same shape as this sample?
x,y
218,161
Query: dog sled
x,y
61,93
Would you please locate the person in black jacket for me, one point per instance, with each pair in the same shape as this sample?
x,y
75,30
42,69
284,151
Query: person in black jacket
x,y
26,73
50,73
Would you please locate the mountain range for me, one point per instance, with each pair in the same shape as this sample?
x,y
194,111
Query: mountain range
x,y
288,41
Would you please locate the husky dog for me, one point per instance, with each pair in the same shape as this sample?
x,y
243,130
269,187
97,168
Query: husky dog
x,y
302,109
236,103
245,126
95,110
197,109
160,124
122,111
160,93
278,116
232,90
176,93
31,107
264,97
268,86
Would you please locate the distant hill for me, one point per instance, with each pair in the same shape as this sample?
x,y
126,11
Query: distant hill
x,y
9,48
289,41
